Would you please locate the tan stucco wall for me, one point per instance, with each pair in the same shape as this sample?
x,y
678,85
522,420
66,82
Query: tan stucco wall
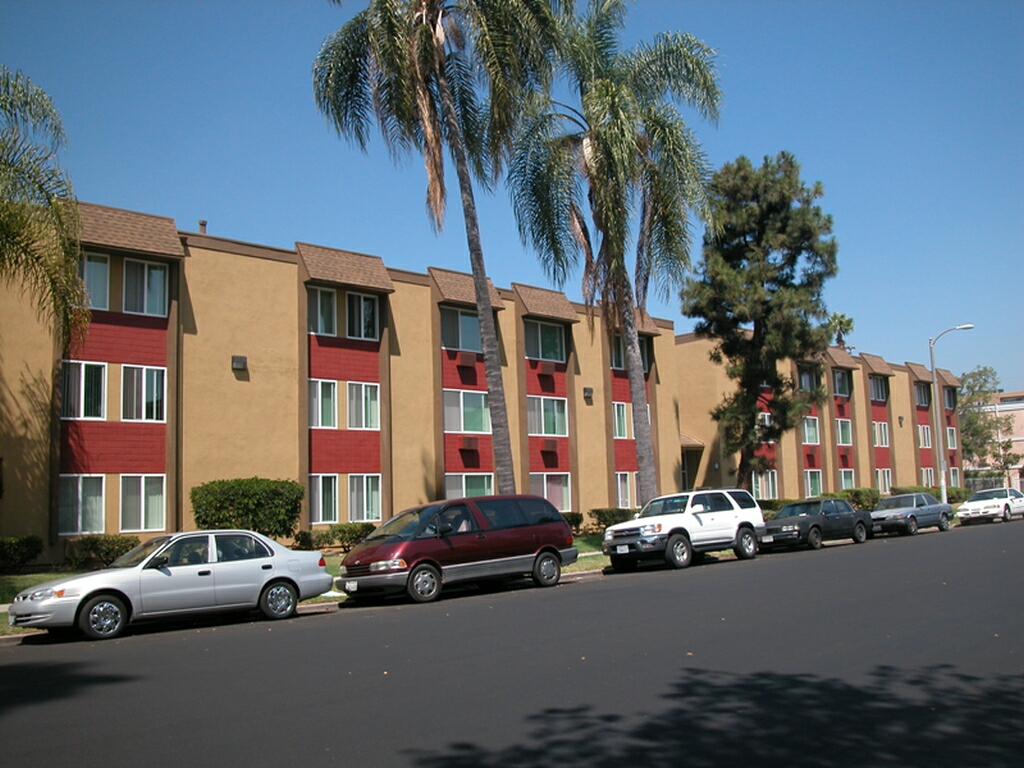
x,y
903,439
593,432
664,415
700,386
238,425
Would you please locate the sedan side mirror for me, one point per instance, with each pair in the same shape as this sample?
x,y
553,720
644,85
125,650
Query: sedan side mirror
x,y
160,561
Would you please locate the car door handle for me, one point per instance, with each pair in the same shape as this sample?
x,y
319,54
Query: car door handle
x,y
204,573
266,567
481,536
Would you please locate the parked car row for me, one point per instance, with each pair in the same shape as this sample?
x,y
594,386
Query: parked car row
x,y
424,549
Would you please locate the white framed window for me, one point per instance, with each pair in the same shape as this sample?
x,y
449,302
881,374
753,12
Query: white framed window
x,y
545,341
363,316
83,390
466,411
619,352
94,270
363,406
880,433
766,484
846,479
841,382
364,498
80,504
844,432
808,378
879,388
949,397
954,477
764,422
460,330
142,503
883,480
622,489
924,436
145,288
811,436
322,311
546,416
323,404
928,476
922,394
620,421
951,438
812,483
143,393
323,499
552,486
458,486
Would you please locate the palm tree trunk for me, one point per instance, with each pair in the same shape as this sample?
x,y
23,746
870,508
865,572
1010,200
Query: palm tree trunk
x,y
501,440
647,481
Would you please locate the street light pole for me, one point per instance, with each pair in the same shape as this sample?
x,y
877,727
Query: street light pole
x,y
938,424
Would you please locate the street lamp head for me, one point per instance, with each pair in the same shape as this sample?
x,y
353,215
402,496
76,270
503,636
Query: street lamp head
x,y
965,327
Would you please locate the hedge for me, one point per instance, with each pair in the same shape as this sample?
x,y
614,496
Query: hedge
x,y
106,547
575,521
16,551
612,515
270,507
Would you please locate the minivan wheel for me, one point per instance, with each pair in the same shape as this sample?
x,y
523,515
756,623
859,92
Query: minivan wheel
x,y
746,544
547,570
424,584
679,552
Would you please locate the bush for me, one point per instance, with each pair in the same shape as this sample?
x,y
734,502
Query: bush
x,y
303,540
16,551
347,535
611,516
106,547
957,495
270,507
769,507
865,499
900,490
575,520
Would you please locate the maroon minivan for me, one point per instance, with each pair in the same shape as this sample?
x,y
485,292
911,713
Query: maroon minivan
x,y
460,540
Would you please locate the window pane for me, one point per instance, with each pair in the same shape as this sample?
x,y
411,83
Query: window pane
x,y
134,287
557,491
67,500
355,406
622,480
131,393
154,394
92,405
537,484
617,355
551,343
131,503
71,390
356,500
154,503
328,498
92,505
532,339
372,497
469,328
478,485
452,411
370,318
534,415
449,328
453,487
93,271
156,290
554,417
476,417
328,409
370,407
312,310
327,315
619,419
354,324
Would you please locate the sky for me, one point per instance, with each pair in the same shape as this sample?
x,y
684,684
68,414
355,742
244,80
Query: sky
x,y
910,114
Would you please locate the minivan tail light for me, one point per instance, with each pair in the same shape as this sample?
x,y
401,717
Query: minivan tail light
x,y
322,563
568,540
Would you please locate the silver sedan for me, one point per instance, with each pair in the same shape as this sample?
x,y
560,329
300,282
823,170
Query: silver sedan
x,y
187,572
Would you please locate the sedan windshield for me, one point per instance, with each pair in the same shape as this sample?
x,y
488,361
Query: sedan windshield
x,y
405,525
997,493
896,502
799,510
667,506
135,556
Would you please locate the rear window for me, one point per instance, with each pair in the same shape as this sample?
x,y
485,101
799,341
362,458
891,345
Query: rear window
x,y
744,499
502,513
539,511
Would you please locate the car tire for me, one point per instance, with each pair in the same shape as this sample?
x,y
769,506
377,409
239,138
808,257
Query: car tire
x,y
623,564
911,528
424,584
860,533
103,617
1007,517
547,570
279,600
814,538
679,551
746,545
943,522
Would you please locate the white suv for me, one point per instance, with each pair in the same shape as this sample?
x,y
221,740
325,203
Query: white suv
x,y
680,528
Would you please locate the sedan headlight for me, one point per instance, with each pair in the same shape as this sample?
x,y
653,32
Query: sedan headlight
x,y
40,594
650,530
395,564
789,528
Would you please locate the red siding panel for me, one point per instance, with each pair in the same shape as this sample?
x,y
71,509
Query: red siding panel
x,y
549,461
344,451
115,337
112,447
457,459
625,455
339,359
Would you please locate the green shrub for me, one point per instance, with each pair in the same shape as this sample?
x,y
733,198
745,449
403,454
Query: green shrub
x,y
900,490
106,547
16,551
323,538
303,540
865,499
769,507
957,495
575,520
270,507
612,515
347,535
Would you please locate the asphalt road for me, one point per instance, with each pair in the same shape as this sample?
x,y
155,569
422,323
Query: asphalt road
x,y
898,652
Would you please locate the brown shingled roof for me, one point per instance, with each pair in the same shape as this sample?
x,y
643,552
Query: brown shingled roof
x,y
919,372
645,323
540,302
358,270
685,441
876,365
457,287
840,358
129,231
947,378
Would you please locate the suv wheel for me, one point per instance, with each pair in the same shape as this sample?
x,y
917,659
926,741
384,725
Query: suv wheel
x,y
746,544
679,552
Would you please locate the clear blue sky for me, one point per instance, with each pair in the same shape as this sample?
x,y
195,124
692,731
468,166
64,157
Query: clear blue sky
x,y
910,113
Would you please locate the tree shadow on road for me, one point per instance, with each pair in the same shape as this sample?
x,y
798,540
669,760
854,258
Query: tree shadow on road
x,y
930,717
23,685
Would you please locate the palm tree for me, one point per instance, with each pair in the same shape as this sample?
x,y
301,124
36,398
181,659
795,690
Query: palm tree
x,y
839,327
628,149
39,225
417,66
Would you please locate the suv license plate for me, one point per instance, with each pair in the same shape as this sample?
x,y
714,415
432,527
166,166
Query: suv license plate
x,y
767,539
622,549
351,586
